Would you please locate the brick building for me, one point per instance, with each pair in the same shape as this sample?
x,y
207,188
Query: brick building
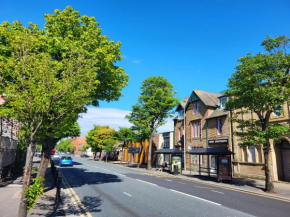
x,y
206,126
78,142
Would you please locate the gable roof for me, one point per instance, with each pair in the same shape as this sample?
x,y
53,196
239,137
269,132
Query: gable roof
x,y
218,113
208,98
180,106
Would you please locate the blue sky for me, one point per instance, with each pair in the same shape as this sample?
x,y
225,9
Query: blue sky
x,y
194,44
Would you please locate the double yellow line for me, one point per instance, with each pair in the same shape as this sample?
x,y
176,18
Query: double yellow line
x,y
80,207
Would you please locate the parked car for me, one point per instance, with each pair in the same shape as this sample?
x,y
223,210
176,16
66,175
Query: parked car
x,y
65,161
37,154
84,155
55,156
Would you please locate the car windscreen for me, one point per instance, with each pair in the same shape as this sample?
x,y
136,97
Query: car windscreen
x,y
66,158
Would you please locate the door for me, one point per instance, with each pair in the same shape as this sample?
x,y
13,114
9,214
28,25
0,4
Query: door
x,y
286,163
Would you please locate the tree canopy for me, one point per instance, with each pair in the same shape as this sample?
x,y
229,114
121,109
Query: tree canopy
x,y
260,85
65,146
155,104
50,74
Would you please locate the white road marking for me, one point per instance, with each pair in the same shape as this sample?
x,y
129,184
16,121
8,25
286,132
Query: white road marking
x,y
195,197
168,180
106,170
119,174
182,183
127,194
146,182
202,187
217,192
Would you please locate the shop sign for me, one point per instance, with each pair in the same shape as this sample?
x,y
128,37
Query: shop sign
x,y
133,150
218,142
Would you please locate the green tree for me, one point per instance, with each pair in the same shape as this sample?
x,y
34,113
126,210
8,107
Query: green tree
x,y
64,145
49,138
85,148
97,136
155,104
259,85
108,145
49,74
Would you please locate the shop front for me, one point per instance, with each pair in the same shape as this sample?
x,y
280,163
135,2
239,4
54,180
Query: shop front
x,y
220,166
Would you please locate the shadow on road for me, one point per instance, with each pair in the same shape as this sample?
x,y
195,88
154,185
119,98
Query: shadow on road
x,y
77,177
92,203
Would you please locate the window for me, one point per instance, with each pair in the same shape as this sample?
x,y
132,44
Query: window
x,y
195,159
180,132
219,126
223,102
180,114
196,129
252,154
245,154
195,106
278,111
166,142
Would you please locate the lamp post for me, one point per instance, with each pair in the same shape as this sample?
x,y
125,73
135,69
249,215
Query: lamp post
x,y
184,132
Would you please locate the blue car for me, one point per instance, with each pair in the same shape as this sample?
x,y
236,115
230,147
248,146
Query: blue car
x,y
65,161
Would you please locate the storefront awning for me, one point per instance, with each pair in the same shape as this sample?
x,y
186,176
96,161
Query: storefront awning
x,y
169,151
210,151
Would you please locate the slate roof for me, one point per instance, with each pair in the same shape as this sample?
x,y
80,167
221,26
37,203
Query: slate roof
x,y
218,113
210,151
208,98
182,105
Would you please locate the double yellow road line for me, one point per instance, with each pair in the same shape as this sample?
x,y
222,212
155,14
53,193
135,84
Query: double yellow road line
x,y
77,203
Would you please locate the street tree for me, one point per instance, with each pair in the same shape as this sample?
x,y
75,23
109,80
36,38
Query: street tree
x,y
65,145
260,85
51,73
109,145
85,148
155,104
97,136
51,136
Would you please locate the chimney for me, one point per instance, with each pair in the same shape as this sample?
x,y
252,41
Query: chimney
x,y
186,99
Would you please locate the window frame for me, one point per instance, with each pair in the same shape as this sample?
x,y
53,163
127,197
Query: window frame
x,y
196,130
219,127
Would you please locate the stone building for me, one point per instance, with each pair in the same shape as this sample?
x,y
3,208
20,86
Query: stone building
x,y
206,126
249,161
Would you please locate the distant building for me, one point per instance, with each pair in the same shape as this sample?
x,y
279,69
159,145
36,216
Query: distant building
x,y
78,142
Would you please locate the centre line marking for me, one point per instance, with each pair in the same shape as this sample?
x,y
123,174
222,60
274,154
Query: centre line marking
x,y
168,180
195,197
146,182
202,187
127,194
182,183
119,174
217,192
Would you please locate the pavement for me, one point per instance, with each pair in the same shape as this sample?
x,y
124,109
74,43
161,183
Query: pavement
x,y
10,191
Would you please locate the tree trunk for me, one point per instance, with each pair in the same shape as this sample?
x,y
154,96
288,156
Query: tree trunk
x,y
269,184
26,179
149,162
45,157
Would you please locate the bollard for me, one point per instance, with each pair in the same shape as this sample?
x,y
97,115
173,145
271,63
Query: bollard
x,y
59,181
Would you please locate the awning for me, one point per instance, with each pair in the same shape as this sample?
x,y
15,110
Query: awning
x,y
210,151
169,151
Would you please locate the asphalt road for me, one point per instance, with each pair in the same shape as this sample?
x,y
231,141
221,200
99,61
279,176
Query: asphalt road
x,y
110,190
